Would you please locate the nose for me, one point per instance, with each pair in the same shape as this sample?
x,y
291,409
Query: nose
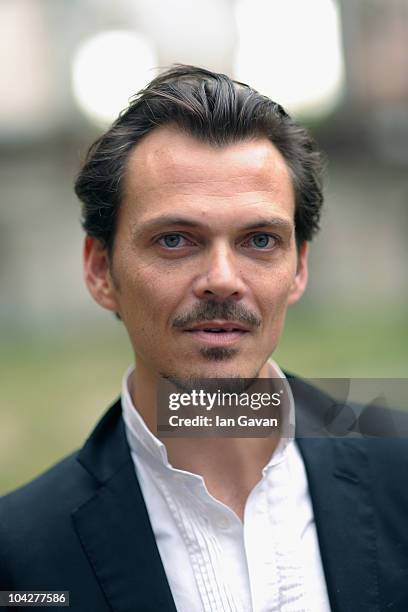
x,y
220,277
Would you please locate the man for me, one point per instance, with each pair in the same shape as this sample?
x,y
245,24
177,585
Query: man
x,y
198,207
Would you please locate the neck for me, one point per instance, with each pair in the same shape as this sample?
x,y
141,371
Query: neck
x,y
231,467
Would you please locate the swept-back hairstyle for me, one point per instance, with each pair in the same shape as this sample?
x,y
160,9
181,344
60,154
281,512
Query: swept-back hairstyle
x,y
214,109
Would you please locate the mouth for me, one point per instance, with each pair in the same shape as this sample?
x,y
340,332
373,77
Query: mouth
x,y
217,333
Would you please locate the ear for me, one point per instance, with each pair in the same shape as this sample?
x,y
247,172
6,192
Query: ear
x,y
300,281
97,274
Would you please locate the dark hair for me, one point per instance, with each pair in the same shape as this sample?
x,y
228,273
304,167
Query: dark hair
x,y
213,108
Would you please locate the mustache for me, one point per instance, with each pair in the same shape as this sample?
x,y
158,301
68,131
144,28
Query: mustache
x,y
210,310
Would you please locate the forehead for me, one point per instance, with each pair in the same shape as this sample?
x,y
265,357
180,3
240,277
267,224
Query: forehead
x,y
168,162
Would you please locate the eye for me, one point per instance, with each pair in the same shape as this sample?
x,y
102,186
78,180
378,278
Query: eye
x,y
261,241
172,241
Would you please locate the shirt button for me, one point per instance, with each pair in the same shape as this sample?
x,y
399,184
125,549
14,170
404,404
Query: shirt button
x,y
223,522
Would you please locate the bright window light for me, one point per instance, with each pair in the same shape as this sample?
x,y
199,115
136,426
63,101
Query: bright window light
x,y
107,70
291,51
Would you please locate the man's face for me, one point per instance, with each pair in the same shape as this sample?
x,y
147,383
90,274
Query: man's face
x,y
204,263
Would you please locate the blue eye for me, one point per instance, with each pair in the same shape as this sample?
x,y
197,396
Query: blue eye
x,y
171,241
263,241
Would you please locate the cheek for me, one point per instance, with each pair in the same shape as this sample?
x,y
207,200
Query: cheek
x,y
275,288
148,300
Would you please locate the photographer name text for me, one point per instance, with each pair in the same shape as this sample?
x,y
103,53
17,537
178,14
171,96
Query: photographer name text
x,y
217,421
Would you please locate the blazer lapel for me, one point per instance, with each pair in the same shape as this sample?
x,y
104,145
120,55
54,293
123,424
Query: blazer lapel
x,y
338,478
114,528
339,484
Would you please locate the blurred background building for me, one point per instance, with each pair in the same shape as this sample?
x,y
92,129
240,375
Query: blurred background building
x,y
68,68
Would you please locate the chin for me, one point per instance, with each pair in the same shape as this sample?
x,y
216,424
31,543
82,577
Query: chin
x,y
229,381
216,369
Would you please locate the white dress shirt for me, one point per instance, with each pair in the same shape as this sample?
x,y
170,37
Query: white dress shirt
x,y
270,562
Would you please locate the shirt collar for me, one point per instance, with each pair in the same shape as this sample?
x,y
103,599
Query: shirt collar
x,y
145,444
141,440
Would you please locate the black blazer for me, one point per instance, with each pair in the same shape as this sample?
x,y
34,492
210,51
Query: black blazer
x,y
83,526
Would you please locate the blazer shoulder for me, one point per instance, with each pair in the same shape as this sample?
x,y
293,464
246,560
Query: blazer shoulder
x,y
46,499
383,429
64,485
36,520
56,482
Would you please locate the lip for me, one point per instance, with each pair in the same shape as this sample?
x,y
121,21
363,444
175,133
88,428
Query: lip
x,y
229,326
233,333
217,338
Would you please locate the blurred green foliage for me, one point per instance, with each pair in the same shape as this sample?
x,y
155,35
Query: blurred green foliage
x,y
55,386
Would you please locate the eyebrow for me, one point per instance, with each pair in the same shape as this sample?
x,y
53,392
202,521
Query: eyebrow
x,y
165,220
